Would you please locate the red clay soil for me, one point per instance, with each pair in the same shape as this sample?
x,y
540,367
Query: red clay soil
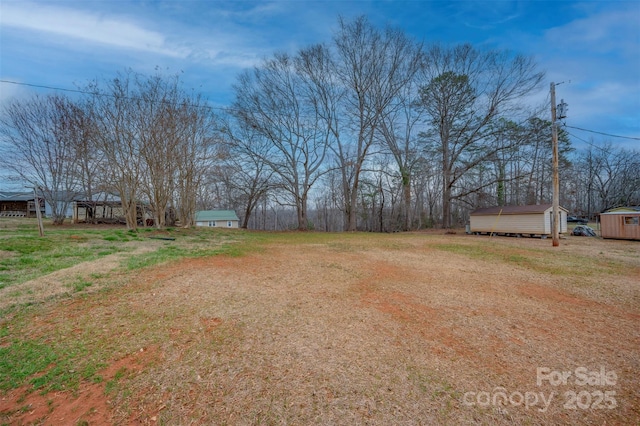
x,y
393,330
89,404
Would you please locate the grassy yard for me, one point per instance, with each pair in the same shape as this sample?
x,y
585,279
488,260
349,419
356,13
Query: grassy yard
x,y
201,326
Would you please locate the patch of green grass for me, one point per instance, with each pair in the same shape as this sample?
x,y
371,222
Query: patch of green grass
x,y
553,263
26,244
121,236
46,366
192,243
526,258
169,253
111,387
34,256
80,284
163,254
97,276
23,359
106,252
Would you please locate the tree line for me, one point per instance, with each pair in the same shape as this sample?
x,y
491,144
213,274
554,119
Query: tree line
x,y
371,130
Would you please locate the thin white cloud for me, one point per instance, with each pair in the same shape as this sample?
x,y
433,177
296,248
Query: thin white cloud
x,y
246,11
600,56
85,27
612,30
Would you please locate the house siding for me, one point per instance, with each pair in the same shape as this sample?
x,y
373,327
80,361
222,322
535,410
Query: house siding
x,y
523,223
219,223
614,226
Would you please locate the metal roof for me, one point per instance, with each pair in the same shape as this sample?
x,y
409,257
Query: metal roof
x,y
529,209
624,209
622,212
16,196
207,215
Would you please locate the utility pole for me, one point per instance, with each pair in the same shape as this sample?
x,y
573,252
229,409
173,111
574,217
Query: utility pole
x,y
556,173
556,177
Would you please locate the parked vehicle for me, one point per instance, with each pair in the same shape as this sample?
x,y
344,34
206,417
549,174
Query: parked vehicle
x,y
575,219
583,231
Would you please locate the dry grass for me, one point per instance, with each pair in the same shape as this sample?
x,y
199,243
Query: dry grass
x,y
365,329
60,282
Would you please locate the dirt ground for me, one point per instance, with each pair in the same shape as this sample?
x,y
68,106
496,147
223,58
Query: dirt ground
x,y
363,329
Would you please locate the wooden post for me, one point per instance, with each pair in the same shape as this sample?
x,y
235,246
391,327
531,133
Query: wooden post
x,y
555,225
36,201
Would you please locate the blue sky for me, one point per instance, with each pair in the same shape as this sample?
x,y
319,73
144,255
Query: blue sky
x,y
593,46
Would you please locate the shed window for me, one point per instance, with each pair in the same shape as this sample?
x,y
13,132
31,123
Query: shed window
x,y
228,224
631,220
212,223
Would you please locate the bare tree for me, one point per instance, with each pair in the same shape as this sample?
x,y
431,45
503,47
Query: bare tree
x,y
40,135
427,184
157,143
271,100
466,92
82,135
398,130
611,177
117,136
196,153
158,125
247,175
372,67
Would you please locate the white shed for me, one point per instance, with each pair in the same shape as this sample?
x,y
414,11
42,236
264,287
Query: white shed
x,y
217,218
517,220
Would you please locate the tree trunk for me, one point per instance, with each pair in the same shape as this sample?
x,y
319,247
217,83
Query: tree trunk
x,y
352,224
446,204
406,189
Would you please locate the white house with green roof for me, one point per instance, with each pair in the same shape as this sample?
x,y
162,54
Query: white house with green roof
x,y
217,218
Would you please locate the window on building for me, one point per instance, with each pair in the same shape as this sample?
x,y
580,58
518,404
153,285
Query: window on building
x,y
228,224
212,223
631,220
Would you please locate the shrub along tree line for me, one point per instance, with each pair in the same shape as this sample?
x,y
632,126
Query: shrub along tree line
x,y
368,131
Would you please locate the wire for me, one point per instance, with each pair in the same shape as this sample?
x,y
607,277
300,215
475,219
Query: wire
x,y
40,86
591,144
586,141
602,133
47,87
84,92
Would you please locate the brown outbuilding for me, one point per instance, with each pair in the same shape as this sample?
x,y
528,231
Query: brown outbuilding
x,y
622,224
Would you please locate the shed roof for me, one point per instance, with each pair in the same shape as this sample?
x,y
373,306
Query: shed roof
x,y
623,213
207,215
626,209
529,209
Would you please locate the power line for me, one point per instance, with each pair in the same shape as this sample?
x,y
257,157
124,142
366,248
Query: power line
x,y
85,92
591,144
587,142
602,133
47,87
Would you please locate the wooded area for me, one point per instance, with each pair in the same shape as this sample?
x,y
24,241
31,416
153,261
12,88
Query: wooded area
x,y
369,131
